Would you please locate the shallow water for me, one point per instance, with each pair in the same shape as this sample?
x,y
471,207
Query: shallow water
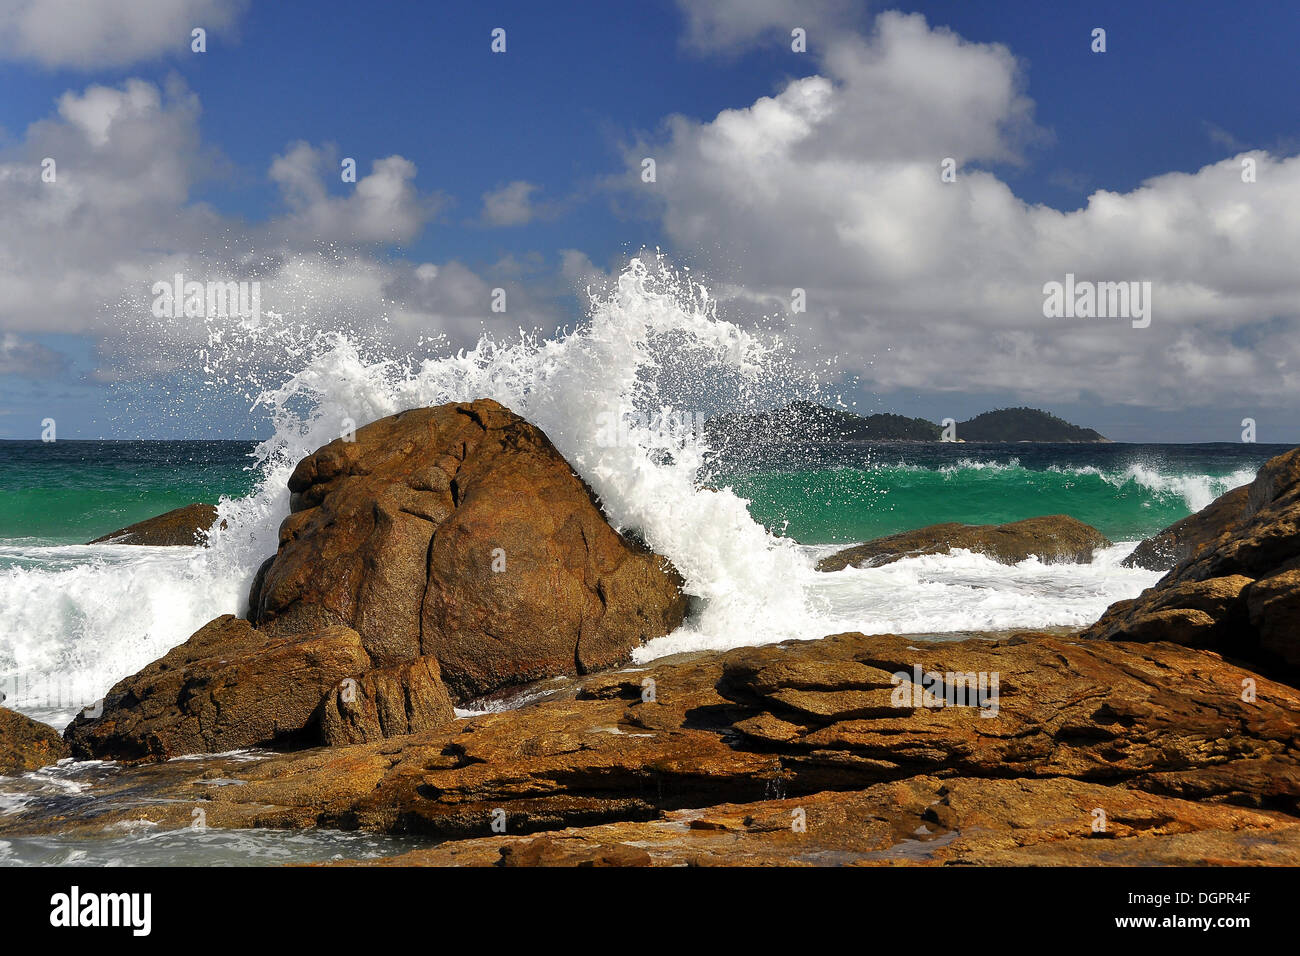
x,y
77,789
146,845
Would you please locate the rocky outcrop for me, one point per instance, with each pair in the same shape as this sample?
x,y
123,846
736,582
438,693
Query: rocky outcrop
x,y
444,554
1237,592
1053,539
1160,738
460,533
183,526
1193,535
229,686
27,744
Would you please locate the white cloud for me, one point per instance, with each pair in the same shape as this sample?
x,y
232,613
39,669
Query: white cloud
x,y
91,34
80,254
383,206
511,205
125,159
833,185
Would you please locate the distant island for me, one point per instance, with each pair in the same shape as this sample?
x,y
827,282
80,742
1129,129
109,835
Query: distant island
x,y
809,421
1024,424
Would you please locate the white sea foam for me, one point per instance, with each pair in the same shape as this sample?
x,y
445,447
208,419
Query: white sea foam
x,y
942,593
73,620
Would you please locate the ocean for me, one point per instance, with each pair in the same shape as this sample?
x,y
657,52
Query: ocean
x,y
744,530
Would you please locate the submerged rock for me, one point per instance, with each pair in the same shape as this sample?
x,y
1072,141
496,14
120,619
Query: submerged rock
x,y
27,744
1237,591
181,526
460,533
1053,539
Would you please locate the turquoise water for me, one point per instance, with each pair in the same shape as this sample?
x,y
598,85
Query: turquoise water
x,y
71,492
849,494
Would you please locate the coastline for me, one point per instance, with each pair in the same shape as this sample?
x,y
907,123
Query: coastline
x,y
312,718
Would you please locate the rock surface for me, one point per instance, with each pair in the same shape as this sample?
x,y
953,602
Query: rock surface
x,y
705,757
27,744
182,526
460,533
919,821
1052,538
1238,592
386,702
1193,535
229,686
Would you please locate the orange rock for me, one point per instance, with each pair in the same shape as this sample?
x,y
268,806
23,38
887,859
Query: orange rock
x,y
460,533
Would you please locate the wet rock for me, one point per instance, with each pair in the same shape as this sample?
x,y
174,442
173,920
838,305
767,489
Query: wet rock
x,y
1160,719
229,686
923,820
544,851
182,526
386,702
1236,594
1052,538
27,744
1193,535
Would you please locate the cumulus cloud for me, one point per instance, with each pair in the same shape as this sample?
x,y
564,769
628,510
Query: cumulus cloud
x,y
833,185
511,205
91,34
382,207
89,193
82,247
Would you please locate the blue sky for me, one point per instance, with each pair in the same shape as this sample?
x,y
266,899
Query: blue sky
x,y
584,89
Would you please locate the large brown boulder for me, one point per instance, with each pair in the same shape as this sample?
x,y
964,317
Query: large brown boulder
x,y
1193,535
1237,593
181,526
228,687
446,551
460,533
27,744
1054,539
